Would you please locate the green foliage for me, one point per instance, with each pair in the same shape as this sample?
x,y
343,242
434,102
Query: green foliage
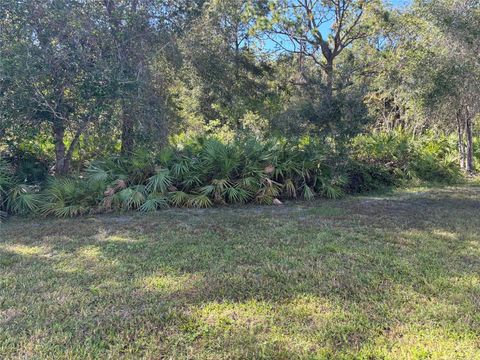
x,y
30,167
16,197
6,176
69,197
6,182
132,197
154,201
365,177
159,182
404,157
208,172
23,199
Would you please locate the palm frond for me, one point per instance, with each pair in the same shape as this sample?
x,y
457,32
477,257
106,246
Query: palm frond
x,y
160,182
290,188
178,198
308,193
154,202
95,173
191,181
237,195
198,201
132,197
23,199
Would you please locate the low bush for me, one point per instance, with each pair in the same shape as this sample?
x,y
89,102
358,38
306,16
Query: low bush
x,y
365,177
208,172
30,168
16,197
69,197
406,158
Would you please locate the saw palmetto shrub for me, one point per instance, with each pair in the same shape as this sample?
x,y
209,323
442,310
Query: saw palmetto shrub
x,y
364,177
16,197
69,197
425,158
208,172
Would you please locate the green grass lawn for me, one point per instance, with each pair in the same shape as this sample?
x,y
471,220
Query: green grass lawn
x,y
378,277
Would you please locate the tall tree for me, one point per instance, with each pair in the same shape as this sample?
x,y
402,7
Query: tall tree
x,y
220,69
139,31
52,70
320,30
132,38
457,76
428,71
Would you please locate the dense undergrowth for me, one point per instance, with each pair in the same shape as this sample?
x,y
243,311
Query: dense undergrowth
x,y
208,172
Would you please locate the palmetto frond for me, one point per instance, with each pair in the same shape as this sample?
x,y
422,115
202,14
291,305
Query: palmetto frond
x,y
61,210
207,190
237,195
308,193
268,191
249,183
198,201
178,198
132,197
96,173
191,180
66,197
23,199
290,188
154,202
182,166
160,182
331,188
220,159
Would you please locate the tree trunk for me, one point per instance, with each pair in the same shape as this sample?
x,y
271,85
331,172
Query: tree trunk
x,y
62,164
127,130
330,75
331,112
460,142
469,166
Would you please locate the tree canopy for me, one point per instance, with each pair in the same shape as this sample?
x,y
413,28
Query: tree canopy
x,y
85,79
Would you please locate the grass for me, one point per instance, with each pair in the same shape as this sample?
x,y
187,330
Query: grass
x,y
394,277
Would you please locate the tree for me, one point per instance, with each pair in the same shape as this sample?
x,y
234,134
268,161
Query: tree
x,y
457,75
132,40
140,30
320,30
221,79
52,70
427,71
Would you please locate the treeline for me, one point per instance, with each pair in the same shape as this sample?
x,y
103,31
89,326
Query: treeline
x,y
82,80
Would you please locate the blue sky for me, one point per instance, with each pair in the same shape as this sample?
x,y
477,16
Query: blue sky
x,y
400,3
270,45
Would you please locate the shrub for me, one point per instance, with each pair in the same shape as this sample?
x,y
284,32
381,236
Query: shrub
x,y
30,168
428,158
436,160
69,197
365,177
206,172
15,197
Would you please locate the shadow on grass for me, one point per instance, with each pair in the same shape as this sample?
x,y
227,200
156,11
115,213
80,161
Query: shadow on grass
x,y
350,277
